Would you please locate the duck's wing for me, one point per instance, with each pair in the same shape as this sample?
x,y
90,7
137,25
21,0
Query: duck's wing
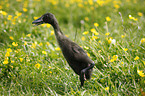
x,y
80,54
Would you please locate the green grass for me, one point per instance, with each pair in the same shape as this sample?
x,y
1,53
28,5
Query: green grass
x,y
116,71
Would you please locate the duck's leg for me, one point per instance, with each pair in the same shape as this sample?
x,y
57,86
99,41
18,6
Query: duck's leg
x,y
82,75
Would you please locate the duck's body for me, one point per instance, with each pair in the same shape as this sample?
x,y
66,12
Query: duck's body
x,y
73,53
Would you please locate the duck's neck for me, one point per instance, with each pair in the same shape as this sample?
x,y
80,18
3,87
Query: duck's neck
x,y
57,30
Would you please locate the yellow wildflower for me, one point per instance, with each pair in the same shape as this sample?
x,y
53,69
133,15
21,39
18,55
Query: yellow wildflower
x,y
36,17
96,24
40,44
25,43
94,31
140,14
115,57
86,18
88,54
11,38
57,48
6,61
85,32
44,52
107,88
48,25
95,37
3,12
12,61
108,18
21,59
83,38
140,73
142,40
122,62
130,17
122,36
37,65
24,9
136,58
9,50
33,45
125,49
9,17
28,35
109,41
50,72
7,54
107,33
52,32
15,44
48,43
18,13
116,6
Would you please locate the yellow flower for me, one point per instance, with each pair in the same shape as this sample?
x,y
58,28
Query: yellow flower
x,y
95,37
86,18
140,73
9,50
50,72
125,49
21,59
107,33
15,44
9,17
48,43
36,17
52,32
33,45
25,43
140,14
18,13
130,17
37,65
94,31
11,38
83,38
122,36
3,12
142,40
88,54
48,25
6,61
7,54
57,48
107,88
85,32
86,47
109,41
122,62
24,9
96,24
136,58
40,44
116,6
44,52
12,61
108,18
115,57
28,35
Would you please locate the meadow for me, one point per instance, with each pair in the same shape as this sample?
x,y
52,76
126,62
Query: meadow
x,y
112,32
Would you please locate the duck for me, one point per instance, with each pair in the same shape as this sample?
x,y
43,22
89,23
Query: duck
x,y
76,57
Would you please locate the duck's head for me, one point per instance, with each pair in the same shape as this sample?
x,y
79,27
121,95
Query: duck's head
x,y
46,18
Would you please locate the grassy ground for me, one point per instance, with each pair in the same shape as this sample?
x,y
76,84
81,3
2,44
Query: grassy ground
x,y
110,31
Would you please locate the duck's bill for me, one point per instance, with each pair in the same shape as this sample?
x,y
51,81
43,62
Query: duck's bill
x,y
38,21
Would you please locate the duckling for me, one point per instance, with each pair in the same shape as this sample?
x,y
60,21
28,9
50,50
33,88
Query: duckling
x,y
73,53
